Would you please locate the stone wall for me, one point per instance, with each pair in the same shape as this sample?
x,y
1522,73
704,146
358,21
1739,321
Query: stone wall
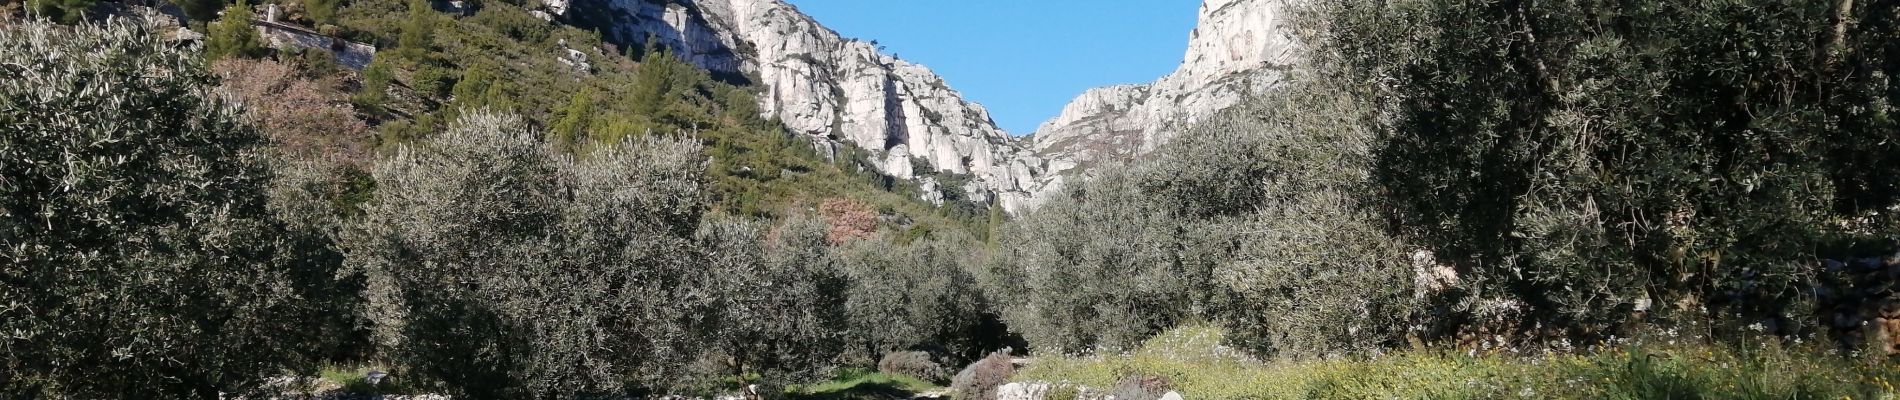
x,y
352,55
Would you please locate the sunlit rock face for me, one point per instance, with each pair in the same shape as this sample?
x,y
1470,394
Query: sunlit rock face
x,y
845,91
832,88
1239,48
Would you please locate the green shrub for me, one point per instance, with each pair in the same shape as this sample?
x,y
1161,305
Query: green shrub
x,y
1305,265
471,230
773,308
432,80
1064,392
232,35
1586,157
913,297
66,11
142,256
1100,267
373,91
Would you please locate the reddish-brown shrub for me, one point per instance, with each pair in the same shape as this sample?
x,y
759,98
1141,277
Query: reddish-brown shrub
x,y
979,381
915,364
848,219
306,118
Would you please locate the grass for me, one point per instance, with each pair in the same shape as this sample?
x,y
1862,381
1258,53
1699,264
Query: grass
x,y
861,384
352,377
1199,367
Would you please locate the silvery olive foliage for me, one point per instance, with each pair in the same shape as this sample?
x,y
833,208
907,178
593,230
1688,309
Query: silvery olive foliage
x,y
1263,219
1310,269
497,266
1101,267
1589,158
771,301
138,254
913,296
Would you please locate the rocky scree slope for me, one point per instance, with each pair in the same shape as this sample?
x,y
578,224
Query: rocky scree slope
x,y
833,89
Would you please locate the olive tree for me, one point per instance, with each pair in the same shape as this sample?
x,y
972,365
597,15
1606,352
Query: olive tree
x,y
1587,157
1100,267
497,266
138,253
1308,269
772,301
915,296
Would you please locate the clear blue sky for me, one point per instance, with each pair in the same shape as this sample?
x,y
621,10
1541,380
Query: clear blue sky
x,y
1023,59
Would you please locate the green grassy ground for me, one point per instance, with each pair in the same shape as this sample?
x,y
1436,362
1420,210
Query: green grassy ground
x,y
1199,368
859,384
351,377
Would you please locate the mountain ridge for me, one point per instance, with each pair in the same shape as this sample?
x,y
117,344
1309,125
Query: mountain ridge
x,y
1238,49
840,90
837,90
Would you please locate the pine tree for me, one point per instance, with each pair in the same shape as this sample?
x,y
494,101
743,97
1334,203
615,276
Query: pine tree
x,y
657,82
417,32
233,36
375,89
471,91
572,119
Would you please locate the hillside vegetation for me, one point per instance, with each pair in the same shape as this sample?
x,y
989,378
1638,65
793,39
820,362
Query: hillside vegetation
x,y
1450,199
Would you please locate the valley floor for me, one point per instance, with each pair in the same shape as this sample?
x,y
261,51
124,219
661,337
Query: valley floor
x,y
1192,361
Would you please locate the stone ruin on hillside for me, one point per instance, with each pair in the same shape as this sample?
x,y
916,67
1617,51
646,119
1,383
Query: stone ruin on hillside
x,y
283,35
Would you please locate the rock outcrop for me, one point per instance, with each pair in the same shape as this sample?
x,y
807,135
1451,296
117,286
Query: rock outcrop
x,y
1239,48
914,126
833,89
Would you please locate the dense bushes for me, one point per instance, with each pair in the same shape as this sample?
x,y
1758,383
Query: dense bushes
x,y
232,36
1258,218
1588,158
499,267
916,296
1516,169
488,240
484,260
774,306
1103,266
1312,269
138,254
1523,170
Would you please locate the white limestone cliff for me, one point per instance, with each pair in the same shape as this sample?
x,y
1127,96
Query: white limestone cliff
x,y
827,86
1238,49
839,90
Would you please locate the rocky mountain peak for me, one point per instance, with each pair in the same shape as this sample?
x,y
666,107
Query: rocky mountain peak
x,y
1239,48
841,91
835,90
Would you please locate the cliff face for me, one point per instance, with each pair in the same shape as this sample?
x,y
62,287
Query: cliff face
x,y
1238,49
826,86
843,91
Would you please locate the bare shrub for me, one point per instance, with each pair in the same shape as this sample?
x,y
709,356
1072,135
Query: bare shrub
x,y
305,118
914,364
979,381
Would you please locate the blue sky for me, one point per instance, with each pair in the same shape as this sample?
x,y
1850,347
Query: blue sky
x,y
1023,59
